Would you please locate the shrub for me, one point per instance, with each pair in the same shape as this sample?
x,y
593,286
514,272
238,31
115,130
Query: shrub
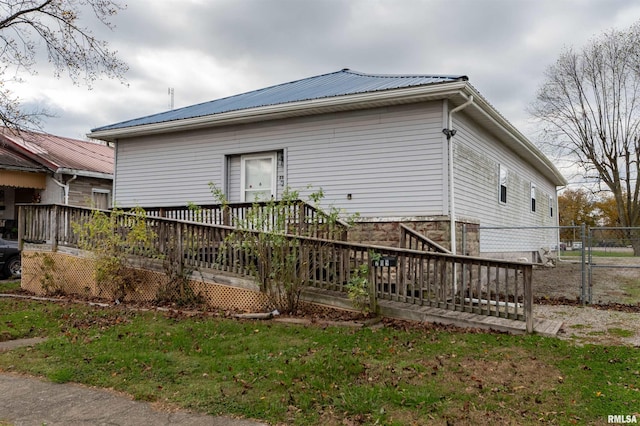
x,y
276,258
116,240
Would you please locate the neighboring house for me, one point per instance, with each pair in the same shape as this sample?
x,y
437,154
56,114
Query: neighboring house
x,y
42,168
375,144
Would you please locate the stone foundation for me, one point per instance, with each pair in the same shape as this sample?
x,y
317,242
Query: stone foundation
x,y
387,233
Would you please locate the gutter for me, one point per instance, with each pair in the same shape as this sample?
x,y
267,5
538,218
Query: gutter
x,y
84,173
449,133
65,188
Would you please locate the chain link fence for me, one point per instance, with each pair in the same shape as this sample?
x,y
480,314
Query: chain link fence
x,y
558,272
613,265
599,265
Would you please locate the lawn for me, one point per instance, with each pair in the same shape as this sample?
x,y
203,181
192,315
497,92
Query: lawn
x,y
599,252
400,374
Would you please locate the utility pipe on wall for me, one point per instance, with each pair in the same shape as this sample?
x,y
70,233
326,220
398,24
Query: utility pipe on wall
x,y
449,132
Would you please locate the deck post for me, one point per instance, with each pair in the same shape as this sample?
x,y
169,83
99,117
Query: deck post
x,y
226,215
179,248
373,287
302,219
55,215
528,297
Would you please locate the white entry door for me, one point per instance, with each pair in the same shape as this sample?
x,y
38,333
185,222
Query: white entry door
x,y
258,177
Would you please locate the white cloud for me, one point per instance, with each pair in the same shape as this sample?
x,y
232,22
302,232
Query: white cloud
x,y
207,50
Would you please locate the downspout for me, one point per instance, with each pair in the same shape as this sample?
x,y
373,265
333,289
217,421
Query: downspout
x,y
449,132
65,188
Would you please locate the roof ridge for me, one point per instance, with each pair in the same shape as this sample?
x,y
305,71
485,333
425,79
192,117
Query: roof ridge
x,y
350,71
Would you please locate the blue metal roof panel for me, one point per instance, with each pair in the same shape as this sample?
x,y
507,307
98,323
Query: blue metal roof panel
x,y
339,83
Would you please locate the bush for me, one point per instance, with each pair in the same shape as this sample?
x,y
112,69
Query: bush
x,y
115,240
276,258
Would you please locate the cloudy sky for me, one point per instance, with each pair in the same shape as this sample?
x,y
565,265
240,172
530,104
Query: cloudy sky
x,y
207,49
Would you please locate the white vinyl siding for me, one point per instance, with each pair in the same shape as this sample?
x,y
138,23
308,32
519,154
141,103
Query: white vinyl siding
x,y
478,160
389,159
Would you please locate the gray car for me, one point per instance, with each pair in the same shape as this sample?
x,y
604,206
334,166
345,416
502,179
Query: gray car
x,y
10,260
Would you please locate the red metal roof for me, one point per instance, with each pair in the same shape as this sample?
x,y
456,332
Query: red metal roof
x,y
55,152
11,160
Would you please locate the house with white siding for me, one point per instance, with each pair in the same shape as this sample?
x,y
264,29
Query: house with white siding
x,y
423,150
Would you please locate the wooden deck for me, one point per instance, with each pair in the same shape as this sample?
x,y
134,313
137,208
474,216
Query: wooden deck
x,y
407,279
410,312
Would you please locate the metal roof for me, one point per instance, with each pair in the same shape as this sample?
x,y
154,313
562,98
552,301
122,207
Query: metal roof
x,y
55,152
10,160
339,83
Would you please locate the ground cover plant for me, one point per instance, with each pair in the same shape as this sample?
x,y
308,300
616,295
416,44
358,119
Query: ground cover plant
x,y
402,373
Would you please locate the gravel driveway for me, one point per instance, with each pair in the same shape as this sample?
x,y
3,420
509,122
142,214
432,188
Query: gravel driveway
x,y
585,325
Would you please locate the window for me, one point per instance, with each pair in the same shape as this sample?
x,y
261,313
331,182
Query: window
x,y
533,197
101,198
550,206
502,192
257,177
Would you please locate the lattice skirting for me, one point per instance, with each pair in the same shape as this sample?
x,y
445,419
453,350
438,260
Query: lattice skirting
x,y
46,273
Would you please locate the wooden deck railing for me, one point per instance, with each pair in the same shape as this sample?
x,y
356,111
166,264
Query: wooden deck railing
x,y
416,241
301,218
427,278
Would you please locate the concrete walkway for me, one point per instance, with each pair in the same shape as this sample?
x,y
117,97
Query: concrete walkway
x,y
31,401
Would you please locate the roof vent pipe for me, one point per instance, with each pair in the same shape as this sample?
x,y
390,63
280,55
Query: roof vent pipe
x,y
449,133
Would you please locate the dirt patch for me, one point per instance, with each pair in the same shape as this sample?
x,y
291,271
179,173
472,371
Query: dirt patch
x,y
613,281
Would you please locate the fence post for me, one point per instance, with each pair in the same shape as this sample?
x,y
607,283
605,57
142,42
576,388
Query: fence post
x,y
528,297
55,214
21,226
583,237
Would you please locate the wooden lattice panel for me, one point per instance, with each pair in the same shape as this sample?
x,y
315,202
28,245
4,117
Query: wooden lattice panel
x,y
54,272
48,273
231,298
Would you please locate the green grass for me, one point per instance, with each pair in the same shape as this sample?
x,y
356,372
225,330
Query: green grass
x,y
620,332
9,286
597,253
631,288
307,375
579,326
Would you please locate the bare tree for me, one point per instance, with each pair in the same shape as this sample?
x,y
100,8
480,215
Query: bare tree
x,y
590,112
58,27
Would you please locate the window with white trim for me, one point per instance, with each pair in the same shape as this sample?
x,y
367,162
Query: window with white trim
x,y
502,185
257,177
533,197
